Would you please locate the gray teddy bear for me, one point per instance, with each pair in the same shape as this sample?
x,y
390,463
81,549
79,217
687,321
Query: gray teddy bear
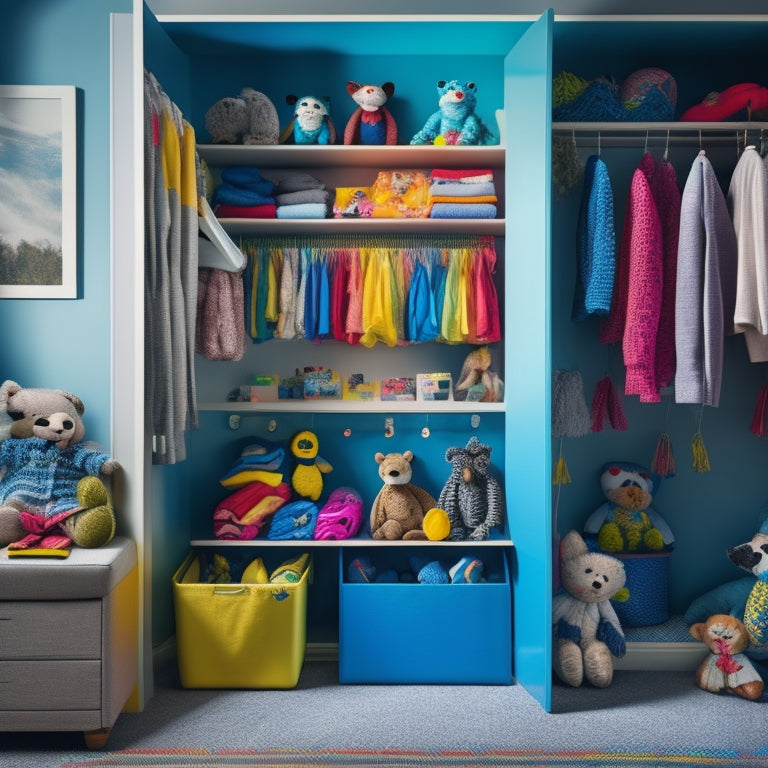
x,y
250,118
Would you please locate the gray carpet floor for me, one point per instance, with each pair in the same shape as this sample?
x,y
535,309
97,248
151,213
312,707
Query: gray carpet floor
x,y
639,711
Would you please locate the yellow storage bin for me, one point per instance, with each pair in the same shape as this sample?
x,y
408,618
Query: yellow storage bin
x,y
239,635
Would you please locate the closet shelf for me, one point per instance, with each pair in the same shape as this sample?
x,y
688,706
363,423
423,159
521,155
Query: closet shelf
x,y
350,156
354,406
370,226
630,134
354,542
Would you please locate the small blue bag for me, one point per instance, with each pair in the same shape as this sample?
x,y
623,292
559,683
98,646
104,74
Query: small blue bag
x,y
295,520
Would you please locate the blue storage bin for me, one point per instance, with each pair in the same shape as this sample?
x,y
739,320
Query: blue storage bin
x,y
399,632
648,584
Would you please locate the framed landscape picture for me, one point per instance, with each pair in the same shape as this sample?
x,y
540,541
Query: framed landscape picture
x,y
38,192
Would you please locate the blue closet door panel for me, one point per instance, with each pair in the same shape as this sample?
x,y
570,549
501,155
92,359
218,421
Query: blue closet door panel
x,y
528,106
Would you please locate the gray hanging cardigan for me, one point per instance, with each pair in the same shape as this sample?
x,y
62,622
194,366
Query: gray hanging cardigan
x,y
706,286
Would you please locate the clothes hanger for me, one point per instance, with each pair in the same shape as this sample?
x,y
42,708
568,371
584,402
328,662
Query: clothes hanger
x,y
216,249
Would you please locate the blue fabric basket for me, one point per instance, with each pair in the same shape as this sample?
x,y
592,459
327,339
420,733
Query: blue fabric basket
x,y
648,584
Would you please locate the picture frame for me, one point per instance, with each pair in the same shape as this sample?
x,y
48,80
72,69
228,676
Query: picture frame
x,y
38,192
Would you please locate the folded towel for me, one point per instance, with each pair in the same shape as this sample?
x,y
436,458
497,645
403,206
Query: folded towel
x,y
460,188
302,211
263,211
303,196
466,175
229,194
463,211
295,182
463,200
248,177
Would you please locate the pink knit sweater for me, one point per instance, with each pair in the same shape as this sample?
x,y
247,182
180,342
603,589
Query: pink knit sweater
x,y
635,310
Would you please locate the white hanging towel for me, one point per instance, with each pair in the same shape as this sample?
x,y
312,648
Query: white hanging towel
x,y
748,201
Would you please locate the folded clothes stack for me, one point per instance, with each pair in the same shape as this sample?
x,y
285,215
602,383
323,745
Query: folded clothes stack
x,y
302,196
258,475
462,194
244,194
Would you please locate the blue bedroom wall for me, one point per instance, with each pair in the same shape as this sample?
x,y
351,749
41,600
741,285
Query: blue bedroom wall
x,y
65,343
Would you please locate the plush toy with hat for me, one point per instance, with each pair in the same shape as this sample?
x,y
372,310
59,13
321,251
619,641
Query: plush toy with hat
x,y
726,668
250,118
587,632
745,598
311,122
456,121
51,494
400,506
371,122
471,497
626,522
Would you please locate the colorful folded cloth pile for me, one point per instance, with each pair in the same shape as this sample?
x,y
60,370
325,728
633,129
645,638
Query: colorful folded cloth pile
x,y
302,196
258,477
462,194
260,461
244,194
244,513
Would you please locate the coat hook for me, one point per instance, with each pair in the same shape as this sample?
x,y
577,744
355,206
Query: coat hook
x,y
666,148
389,427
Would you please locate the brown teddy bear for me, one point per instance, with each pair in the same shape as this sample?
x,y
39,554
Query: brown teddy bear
x,y
51,494
399,507
726,668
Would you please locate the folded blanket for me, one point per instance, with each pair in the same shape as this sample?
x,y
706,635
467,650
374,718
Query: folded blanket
x,y
463,211
244,513
468,176
303,196
461,189
302,211
248,177
464,200
228,194
264,211
295,182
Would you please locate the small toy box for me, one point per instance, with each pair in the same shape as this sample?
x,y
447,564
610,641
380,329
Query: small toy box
x,y
322,385
238,635
401,631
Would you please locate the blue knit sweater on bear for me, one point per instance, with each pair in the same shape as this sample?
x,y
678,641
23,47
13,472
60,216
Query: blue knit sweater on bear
x,y
37,472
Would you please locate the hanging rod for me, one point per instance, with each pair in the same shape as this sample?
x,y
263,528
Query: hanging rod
x,y
632,134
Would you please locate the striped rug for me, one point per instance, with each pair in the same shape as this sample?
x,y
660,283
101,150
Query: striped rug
x,y
200,758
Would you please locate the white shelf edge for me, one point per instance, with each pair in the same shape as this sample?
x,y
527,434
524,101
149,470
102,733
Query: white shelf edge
x,y
349,155
312,543
245,227
672,127
353,406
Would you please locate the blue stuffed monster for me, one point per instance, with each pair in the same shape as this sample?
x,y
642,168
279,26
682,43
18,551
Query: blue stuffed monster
x,y
455,122
745,598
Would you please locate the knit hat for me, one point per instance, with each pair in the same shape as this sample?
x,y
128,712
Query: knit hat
x,y
295,520
341,516
596,243
649,94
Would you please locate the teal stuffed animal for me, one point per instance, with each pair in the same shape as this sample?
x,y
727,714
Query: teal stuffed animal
x,y
455,122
